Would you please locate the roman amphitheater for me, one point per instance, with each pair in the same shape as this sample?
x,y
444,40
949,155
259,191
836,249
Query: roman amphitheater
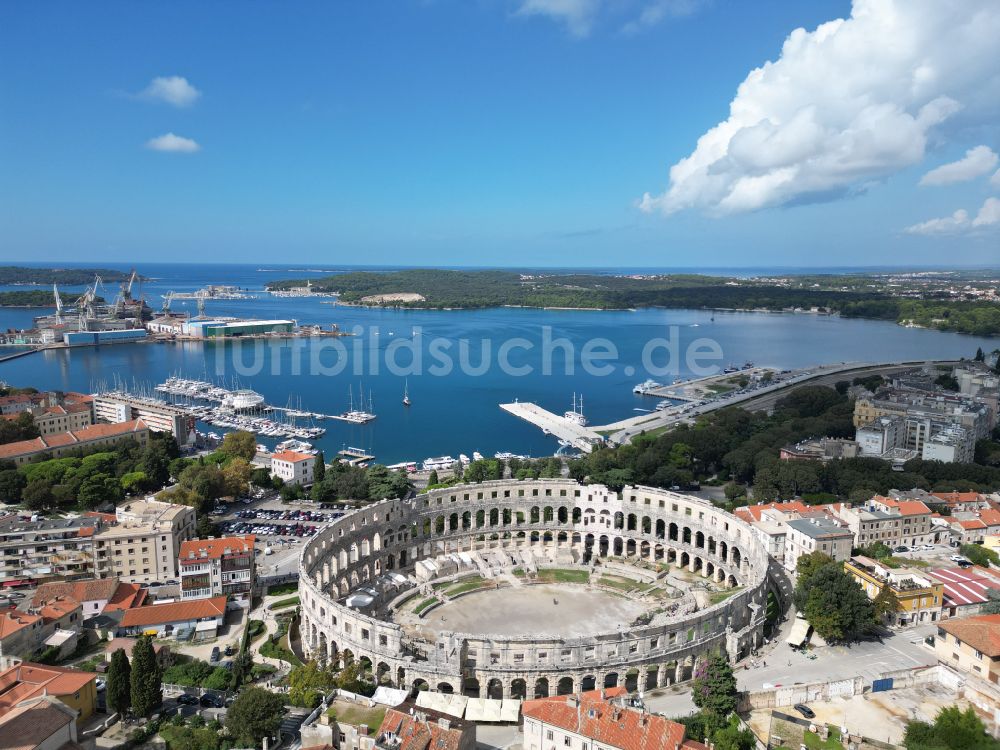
x,y
522,589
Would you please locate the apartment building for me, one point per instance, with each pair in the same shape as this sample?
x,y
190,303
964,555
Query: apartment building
x,y
218,567
915,525
817,534
60,444
293,467
144,546
34,550
158,416
971,645
920,597
59,418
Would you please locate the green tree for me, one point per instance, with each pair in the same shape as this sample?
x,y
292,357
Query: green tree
x,y
432,478
146,678
99,489
37,495
236,477
239,444
886,605
255,714
261,477
308,683
119,688
953,729
714,686
320,470
805,567
835,604
992,604
12,484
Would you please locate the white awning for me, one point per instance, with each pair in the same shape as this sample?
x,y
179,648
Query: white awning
x,y
483,709
510,711
445,703
60,637
800,632
388,696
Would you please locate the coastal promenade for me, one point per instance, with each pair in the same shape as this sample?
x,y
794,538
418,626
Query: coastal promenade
x,y
581,437
763,398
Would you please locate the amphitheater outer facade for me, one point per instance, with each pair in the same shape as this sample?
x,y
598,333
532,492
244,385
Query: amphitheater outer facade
x,y
360,548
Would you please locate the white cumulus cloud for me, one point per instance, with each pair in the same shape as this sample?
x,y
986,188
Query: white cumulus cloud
x,y
173,144
174,90
976,162
960,222
577,15
843,106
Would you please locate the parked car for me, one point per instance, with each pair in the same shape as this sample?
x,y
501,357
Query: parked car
x,y
186,699
957,559
229,649
211,701
215,654
805,710
100,684
901,548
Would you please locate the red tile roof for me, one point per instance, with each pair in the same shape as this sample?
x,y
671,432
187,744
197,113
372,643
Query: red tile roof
x,y
293,457
94,589
195,550
970,523
62,439
57,609
127,596
27,680
605,723
416,733
982,632
953,498
160,614
906,507
752,513
13,621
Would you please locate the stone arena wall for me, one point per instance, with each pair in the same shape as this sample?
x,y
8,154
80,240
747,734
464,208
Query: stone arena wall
x,y
358,550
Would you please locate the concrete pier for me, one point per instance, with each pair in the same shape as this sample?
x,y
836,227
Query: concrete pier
x,y
582,438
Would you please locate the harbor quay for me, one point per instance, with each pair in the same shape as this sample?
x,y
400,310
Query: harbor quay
x,y
370,581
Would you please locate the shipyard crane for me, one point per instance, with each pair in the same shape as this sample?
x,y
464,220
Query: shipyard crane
x,y
59,305
201,308
167,299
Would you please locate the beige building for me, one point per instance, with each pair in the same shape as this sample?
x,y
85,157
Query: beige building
x,y
920,597
971,645
159,417
59,444
808,535
144,546
915,525
61,418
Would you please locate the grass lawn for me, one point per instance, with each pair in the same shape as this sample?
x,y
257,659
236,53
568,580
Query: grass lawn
x,y
448,585
461,588
617,582
561,575
277,647
292,601
360,715
424,604
721,596
813,742
291,587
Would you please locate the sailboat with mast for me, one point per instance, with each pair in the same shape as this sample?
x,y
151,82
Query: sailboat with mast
x,y
406,393
576,413
364,413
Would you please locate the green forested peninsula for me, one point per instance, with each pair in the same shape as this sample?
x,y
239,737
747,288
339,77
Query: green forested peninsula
x,y
445,289
38,298
67,276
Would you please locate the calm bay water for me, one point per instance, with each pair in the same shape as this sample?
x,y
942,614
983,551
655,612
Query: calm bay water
x,y
457,413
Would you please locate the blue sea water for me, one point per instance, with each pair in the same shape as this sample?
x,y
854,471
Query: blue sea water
x,y
455,412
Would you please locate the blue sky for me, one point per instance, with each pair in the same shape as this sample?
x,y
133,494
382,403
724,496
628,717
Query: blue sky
x,y
496,132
